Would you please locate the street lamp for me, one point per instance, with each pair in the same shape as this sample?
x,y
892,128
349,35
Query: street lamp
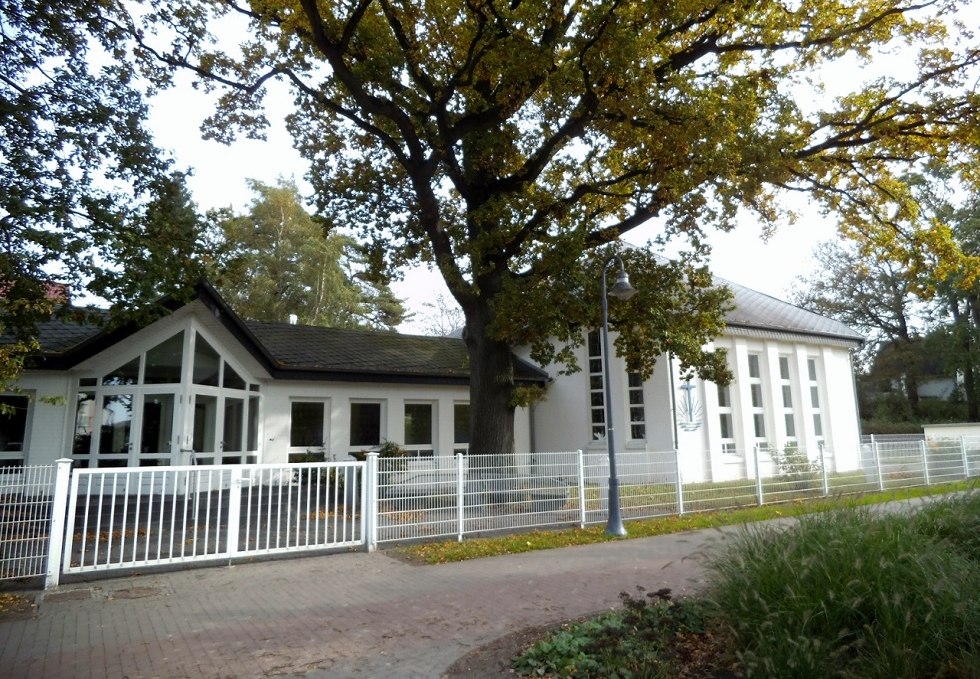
x,y
620,290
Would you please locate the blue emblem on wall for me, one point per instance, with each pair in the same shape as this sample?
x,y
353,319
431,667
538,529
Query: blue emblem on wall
x,y
688,408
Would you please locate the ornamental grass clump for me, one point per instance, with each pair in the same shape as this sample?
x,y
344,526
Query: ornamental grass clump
x,y
853,594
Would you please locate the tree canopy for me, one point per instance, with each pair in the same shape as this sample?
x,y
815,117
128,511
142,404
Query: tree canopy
x,y
277,261
505,142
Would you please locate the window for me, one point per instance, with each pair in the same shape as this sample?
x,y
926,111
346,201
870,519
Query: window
x,y
13,429
812,373
597,402
786,387
306,424
461,428
163,362
418,429
726,420
207,363
638,429
365,424
756,395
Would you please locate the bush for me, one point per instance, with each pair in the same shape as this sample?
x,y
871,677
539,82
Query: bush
x,y
850,594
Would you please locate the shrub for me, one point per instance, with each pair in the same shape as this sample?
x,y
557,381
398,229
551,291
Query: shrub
x,y
850,594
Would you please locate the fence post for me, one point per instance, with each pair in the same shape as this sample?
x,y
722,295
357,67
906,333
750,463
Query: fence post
x,y
966,458
881,478
234,511
581,489
56,527
370,511
460,499
925,461
678,483
823,468
758,477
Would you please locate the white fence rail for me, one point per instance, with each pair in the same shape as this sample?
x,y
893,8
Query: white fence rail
x,y
89,520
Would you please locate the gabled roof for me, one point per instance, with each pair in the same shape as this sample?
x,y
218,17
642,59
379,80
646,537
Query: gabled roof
x,y
297,351
757,311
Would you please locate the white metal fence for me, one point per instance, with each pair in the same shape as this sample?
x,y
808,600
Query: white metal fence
x,y
26,497
88,520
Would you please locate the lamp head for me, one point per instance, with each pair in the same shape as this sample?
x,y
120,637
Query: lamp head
x,y
622,290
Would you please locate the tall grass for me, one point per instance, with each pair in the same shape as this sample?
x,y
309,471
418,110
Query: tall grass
x,y
853,593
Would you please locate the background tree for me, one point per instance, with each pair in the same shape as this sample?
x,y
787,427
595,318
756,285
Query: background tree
x,y
876,296
441,318
277,260
508,142
78,164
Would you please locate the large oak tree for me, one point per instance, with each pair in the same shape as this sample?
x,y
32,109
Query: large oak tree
x,y
510,143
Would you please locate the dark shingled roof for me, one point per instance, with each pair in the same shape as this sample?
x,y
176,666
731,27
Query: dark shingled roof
x,y
313,349
757,310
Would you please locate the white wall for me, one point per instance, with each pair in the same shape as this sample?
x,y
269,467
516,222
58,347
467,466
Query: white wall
x,y
46,426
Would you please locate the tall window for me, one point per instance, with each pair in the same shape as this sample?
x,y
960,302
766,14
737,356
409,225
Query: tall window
x,y
811,367
13,429
726,420
638,428
365,424
786,387
419,429
461,428
597,402
755,390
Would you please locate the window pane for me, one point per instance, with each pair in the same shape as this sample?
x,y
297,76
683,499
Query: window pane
x,y
596,398
636,397
724,397
787,396
815,397
233,425
232,379
117,418
595,365
163,361
158,424
595,345
638,431
365,424
84,423
13,422
725,420
461,423
756,390
760,425
418,424
784,367
754,365
634,380
817,425
253,423
128,373
636,414
790,425
811,367
306,424
205,422
206,363
595,382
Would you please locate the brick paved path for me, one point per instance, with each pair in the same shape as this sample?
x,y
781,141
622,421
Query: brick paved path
x,y
342,615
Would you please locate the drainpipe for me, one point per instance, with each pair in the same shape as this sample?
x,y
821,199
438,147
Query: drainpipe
x,y
673,406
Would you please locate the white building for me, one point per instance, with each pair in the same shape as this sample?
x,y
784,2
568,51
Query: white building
x,y
201,385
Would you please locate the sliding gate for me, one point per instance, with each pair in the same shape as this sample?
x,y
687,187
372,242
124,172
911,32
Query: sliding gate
x,y
149,516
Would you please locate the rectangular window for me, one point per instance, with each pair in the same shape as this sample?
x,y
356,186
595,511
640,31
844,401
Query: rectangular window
x,y
784,367
811,368
817,425
234,426
85,412
756,390
759,423
13,429
418,429
815,396
306,424
724,397
596,387
754,366
787,396
790,425
638,429
727,430
365,424
253,424
163,362
461,428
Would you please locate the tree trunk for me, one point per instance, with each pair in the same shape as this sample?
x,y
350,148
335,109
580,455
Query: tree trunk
x,y
491,389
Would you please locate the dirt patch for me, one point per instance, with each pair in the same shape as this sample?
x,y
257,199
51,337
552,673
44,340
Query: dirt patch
x,y
16,606
493,660
135,593
68,595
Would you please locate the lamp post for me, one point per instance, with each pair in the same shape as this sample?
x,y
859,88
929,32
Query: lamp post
x,y
621,290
